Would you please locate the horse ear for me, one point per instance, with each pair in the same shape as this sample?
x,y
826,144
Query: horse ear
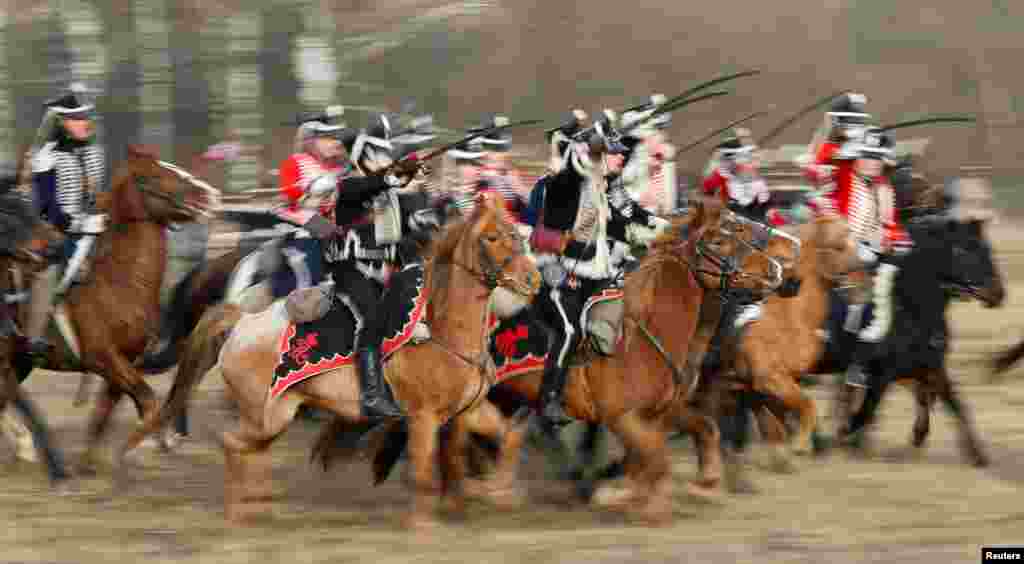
x,y
138,151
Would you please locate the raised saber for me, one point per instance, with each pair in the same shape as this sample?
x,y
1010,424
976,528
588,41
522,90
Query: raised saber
x,y
720,130
793,119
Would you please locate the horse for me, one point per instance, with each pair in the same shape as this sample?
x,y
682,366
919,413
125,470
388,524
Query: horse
x,y
24,240
951,258
662,298
102,325
443,382
767,353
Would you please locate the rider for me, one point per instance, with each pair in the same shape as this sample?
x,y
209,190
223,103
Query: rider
x,y
68,168
649,172
318,152
735,178
364,250
462,167
578,204
495,172
559,139
850,169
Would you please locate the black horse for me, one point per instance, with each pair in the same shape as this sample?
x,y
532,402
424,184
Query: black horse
x,y
951,258
16,225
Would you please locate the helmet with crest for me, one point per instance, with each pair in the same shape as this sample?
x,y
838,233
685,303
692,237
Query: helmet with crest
x,y
369,149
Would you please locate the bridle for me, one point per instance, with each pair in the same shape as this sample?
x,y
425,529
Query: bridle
x,y
727,268
493,274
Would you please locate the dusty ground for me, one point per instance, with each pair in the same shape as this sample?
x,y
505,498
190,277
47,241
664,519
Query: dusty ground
x,y
893,507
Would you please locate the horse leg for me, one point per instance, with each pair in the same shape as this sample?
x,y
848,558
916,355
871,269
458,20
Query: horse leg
x,y
501,488
41,436
422,454
707,438
19,435
865,414
98,426
774,433
969,440
248,484
651,496
923,400
130,380
453,467
787,391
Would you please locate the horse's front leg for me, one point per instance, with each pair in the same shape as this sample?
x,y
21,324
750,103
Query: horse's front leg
x,y
969,440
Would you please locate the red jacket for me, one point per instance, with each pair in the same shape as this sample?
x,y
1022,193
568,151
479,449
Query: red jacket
x,y
846,195
295,174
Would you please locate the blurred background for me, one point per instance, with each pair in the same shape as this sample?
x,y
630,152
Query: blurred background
x,y
186,74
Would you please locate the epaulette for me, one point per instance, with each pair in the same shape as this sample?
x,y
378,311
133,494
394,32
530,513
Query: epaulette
x,y
44,158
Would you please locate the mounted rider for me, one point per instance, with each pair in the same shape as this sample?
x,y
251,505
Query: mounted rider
x,y
68,169
307,181
649,173
496,172
735,179
482,164
364,250
850,169
578,205
560,140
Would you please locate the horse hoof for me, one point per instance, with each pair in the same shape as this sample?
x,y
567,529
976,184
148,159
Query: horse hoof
x,y
420,523
822,444
611,497
170,441
981,460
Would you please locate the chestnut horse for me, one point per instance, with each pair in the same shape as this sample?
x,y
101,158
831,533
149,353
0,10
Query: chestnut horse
x,y
440,383
770,355
106,321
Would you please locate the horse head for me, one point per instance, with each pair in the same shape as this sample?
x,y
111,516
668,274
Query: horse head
x,y
148,189
488,248
958,251
723,250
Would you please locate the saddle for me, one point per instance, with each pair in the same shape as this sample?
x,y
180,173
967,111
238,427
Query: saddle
x,y
521,344
321,333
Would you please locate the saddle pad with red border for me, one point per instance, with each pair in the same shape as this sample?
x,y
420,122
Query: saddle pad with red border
x,y
328,343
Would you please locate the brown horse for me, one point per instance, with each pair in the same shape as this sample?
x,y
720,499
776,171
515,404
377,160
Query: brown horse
x,y
441,383
662,299
773,353
106,320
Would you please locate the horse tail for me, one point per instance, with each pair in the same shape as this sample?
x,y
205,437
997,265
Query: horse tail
x,y
201,353
203,287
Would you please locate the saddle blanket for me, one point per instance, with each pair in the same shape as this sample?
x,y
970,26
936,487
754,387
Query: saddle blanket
x,y
520,344
310,349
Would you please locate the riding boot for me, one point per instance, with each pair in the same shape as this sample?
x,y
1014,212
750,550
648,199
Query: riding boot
x,y
551,389
40,308
377,401
856,377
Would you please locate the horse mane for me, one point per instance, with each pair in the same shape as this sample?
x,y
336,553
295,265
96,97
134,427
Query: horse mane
x,y
664,252
438,258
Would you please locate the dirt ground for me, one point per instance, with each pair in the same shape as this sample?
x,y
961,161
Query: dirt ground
x,y
894,506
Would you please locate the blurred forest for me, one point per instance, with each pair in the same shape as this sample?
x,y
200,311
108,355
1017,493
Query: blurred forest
x,y
185,74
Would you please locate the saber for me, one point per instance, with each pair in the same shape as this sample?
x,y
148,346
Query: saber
x,y
791,120
926,121
698,88
672,106
444,148
720,130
